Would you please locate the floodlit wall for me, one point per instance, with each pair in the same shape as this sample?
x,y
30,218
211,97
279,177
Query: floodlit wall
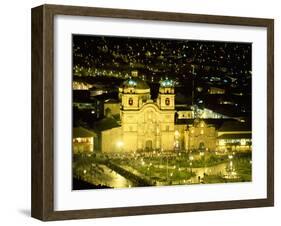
x,y
111,140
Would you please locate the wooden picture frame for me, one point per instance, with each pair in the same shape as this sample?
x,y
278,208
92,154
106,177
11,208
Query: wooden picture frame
x,y
42,205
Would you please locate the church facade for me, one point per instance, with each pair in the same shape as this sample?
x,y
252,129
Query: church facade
x,y
147,124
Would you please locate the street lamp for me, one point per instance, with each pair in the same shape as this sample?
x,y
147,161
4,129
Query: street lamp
x,y
120,145
230,157
149,171
85,174
202,154
167,168
190,163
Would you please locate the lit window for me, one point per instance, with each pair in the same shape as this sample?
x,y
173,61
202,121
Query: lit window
x,y
157,130
243,142
221,142
131,101
167,101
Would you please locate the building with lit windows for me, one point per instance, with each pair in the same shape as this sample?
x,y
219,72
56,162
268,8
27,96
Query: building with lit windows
x,y
83,140
234,136
111,106
201,136
147,124
216,90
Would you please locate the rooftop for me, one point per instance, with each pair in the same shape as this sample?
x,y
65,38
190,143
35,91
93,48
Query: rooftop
x,y
222,125
82,132
105,124
235,126
111,100
236,136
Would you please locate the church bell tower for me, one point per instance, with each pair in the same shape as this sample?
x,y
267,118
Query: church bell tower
x,y
166,96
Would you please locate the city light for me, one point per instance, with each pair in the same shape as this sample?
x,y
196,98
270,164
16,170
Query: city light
x,y
119,144
150,112
243,142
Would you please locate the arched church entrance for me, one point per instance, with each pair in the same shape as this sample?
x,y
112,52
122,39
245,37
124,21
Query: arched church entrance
x,y
202,146
148,145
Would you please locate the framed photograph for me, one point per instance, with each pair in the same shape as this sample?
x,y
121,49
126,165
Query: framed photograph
x,y
141,112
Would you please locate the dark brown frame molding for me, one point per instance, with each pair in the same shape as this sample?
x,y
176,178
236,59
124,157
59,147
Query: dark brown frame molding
x,y
42,203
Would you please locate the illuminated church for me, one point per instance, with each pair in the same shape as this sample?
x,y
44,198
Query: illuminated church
x,y
147,124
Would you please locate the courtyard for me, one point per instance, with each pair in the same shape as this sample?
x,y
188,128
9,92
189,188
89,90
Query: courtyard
x,y
156,168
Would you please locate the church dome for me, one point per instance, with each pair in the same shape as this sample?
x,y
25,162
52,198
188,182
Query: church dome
x,y
135,83
166,83
135,86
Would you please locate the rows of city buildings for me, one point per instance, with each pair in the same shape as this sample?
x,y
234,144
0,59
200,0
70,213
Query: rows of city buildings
x,y
134,121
